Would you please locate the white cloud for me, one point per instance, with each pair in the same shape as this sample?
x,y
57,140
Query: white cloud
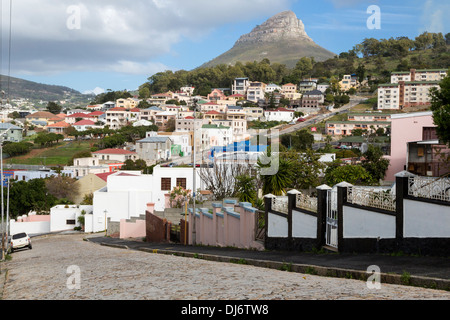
x,y
95,91
123,36
433,18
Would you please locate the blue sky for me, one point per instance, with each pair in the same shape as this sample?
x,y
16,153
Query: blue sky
x,y
118,44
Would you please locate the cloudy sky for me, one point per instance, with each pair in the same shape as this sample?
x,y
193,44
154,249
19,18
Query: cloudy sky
x,y
117,44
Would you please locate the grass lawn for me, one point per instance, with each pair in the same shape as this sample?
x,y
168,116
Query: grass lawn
x,y
57,155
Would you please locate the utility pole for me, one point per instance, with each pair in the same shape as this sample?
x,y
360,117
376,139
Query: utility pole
x,y
194,234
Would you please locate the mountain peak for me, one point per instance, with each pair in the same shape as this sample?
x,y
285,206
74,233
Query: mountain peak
x,y
284,25
282,39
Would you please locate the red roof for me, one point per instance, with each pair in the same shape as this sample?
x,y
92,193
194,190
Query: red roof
x,y
189,117
213,112
237,95
79,115
84,123
135,110
210,104
104,176
96,113
61,124
118,109
284,109
114,151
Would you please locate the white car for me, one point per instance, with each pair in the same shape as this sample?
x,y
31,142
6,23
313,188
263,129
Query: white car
x,y
20,240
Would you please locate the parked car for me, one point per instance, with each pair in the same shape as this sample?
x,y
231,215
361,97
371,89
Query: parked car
x,y
20,240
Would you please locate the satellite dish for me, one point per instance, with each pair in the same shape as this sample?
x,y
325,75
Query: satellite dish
x,y
364,148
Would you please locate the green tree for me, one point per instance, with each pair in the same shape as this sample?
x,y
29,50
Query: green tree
x,y
354,174
19,148
306,168
440,106
280,179
26,196
361,73
375,164
246,189
54,108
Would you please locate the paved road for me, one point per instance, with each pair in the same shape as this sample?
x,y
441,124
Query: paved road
x,y
104,273
318,118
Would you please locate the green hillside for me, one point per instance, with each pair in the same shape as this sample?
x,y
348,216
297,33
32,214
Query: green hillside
x,y
20,88
283,51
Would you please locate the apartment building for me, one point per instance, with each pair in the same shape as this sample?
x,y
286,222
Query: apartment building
x,y
128,103
348,81
240,86
418,75
255,91
345,128
369,116
389,96
289,91
401,95
117,117
312,99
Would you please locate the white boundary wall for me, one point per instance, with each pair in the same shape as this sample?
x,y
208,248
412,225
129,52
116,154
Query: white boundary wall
x,y
360,223
425,220
303,225
277,226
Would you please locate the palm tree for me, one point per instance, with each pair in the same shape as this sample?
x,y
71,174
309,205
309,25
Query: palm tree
x,y
277,182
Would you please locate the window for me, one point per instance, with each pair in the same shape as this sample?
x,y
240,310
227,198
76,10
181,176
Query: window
x,y
181,182
165,184
70,221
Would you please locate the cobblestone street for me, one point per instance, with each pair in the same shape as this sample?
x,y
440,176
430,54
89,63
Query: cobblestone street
x,y
110,273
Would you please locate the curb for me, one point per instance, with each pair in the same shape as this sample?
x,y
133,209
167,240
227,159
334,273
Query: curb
x,y
396,279
119,246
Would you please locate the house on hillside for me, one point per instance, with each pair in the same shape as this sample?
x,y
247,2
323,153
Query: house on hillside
x,y
115,155
154,148
75,117
11,132
41,116
84,125
280,114
58,128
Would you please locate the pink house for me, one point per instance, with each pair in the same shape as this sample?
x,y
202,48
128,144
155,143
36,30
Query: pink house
x,y
405,127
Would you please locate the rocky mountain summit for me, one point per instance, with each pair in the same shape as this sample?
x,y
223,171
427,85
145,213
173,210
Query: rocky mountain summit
x,y
282,39
284,25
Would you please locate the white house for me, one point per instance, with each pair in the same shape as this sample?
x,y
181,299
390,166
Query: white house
x,y
83,125
280,114
272,87
118,155
64,217
127,194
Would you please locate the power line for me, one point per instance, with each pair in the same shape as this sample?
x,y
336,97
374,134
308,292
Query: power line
x,y
9,49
